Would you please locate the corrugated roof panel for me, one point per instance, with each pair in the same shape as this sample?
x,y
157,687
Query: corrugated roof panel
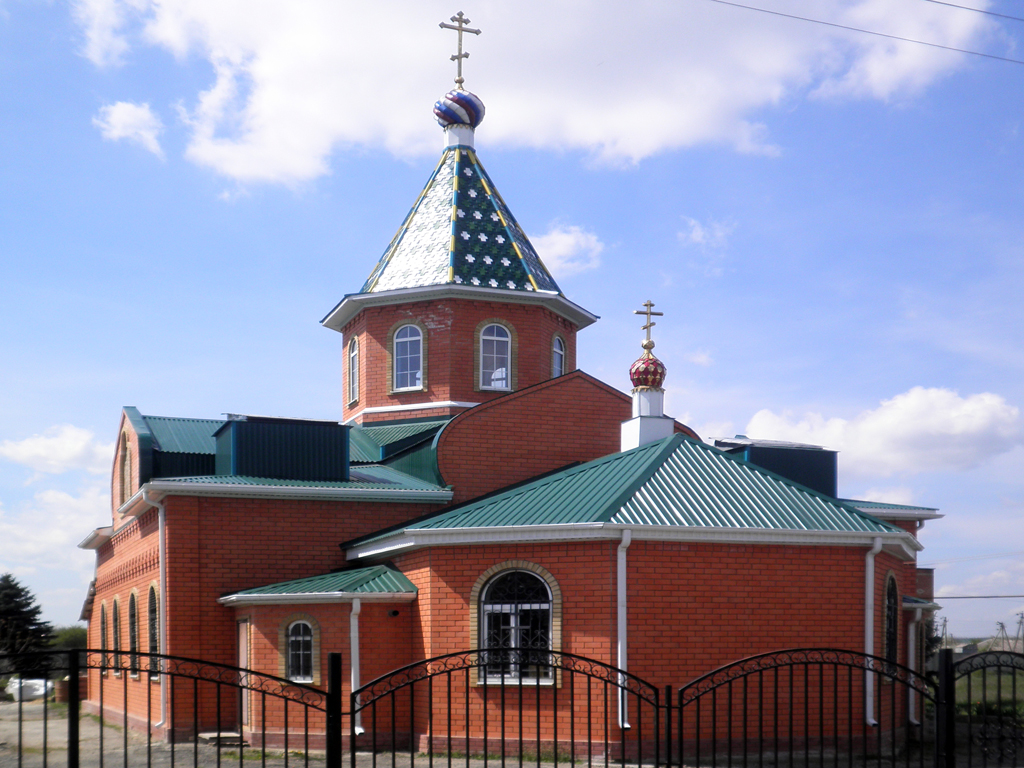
x,y
175,435
377,579
372,476
701,486
385,435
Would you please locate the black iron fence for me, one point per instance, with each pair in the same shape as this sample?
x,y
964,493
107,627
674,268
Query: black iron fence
x,y
805,707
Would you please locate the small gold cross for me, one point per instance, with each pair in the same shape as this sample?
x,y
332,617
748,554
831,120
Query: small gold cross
x,y
648,312
460,26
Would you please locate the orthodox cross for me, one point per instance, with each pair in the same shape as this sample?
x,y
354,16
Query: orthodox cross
x,y
648,312
459,26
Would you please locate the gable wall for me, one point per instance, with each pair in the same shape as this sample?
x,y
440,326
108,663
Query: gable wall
x,y
570,419
450,366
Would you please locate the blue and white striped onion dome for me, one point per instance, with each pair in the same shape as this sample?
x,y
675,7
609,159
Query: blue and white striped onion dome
x,y
459,108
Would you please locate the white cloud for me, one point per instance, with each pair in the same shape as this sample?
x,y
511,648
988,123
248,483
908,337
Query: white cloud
x,y
712,235
60,449
567,249
293,81
134,122
922,430
896,495
47,530
701,358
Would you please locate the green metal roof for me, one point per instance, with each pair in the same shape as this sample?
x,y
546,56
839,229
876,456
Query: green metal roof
x,y
365,477
673,482
377,579
376,443
886,506
175,435
460,232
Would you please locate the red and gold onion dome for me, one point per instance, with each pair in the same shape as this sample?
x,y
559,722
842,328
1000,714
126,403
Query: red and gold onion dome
x,y
647,371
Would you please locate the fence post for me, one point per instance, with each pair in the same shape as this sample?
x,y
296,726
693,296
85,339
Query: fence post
x,y
334,699
73,698
945,719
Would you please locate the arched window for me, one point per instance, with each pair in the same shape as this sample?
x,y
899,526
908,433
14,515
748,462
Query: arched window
x,y
495,357
557,357
153,611
116,632
125,473
408,356
103,638
133,635
300,652
515,622
353,370
892,616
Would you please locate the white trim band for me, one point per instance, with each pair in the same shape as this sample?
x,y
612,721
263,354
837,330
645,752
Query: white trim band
x,y
313,598
411,407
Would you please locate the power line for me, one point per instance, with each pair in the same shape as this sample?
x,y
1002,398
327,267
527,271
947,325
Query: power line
x,y
869,32
971,557
976,10
975,597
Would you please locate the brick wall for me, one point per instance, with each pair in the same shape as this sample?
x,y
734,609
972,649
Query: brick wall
x,y
450,369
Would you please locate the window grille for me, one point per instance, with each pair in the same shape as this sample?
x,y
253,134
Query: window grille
x,y
516,622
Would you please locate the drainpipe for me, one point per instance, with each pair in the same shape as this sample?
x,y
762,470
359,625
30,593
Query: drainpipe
x,y
621,618
162,550
869,629
353,652
912,662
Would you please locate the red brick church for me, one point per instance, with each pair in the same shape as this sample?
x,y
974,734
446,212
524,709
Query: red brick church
x,y
481,491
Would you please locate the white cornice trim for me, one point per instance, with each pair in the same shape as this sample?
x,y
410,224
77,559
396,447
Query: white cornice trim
x,y
895,514
97,538
412,407
353,304
901,544
311,598
161,488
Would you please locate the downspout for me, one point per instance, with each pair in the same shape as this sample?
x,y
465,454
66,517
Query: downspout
x,y
353,650
912,663
162,550
621,604
869,629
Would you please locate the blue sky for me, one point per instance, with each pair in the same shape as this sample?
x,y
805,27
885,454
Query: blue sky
x,y
830,221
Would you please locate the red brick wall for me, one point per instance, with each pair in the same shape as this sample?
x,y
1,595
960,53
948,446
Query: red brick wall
x,y
570,419
450,344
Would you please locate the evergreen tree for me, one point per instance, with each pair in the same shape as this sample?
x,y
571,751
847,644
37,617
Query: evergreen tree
x,y
21,629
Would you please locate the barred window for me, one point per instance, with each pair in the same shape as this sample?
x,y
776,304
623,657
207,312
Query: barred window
x,y
153,610
104,660
892,616
133,635
515,617
300,652
116,620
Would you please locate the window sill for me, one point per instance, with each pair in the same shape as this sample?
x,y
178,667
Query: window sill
x,y
497,682
405,390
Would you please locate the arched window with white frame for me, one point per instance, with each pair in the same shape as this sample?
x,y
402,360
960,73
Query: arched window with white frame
x,y
116,632
300,652
133,635
408,358
557,357
153,615
516,627
353,370
495,357
892,617
104,641
125,470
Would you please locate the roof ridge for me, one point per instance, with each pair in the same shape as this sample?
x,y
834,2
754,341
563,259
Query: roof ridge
x,y
643,474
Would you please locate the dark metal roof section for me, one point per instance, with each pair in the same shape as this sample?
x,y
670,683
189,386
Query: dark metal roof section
x,y
377,579
285,449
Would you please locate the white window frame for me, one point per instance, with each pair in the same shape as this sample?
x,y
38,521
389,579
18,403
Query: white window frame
x,y
400,351
557,357
353,370
512,610
133,635
309,650
487,373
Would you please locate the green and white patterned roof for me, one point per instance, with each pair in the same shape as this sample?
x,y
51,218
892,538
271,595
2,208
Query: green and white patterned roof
x,y
460,232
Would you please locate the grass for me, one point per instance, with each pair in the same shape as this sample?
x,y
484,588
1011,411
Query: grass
x,y
991,694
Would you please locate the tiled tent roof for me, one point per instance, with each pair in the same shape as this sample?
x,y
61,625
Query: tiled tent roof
x,y
460,232
675,482
376,579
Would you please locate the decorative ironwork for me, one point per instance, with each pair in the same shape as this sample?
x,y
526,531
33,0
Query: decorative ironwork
x,y
224,674
455,662
988,660
803,657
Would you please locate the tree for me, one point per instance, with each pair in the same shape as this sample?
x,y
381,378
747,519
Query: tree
x,y
21,629
69,637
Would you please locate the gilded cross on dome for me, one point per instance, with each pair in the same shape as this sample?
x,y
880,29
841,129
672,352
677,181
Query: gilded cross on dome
x,y
649,312
459,26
